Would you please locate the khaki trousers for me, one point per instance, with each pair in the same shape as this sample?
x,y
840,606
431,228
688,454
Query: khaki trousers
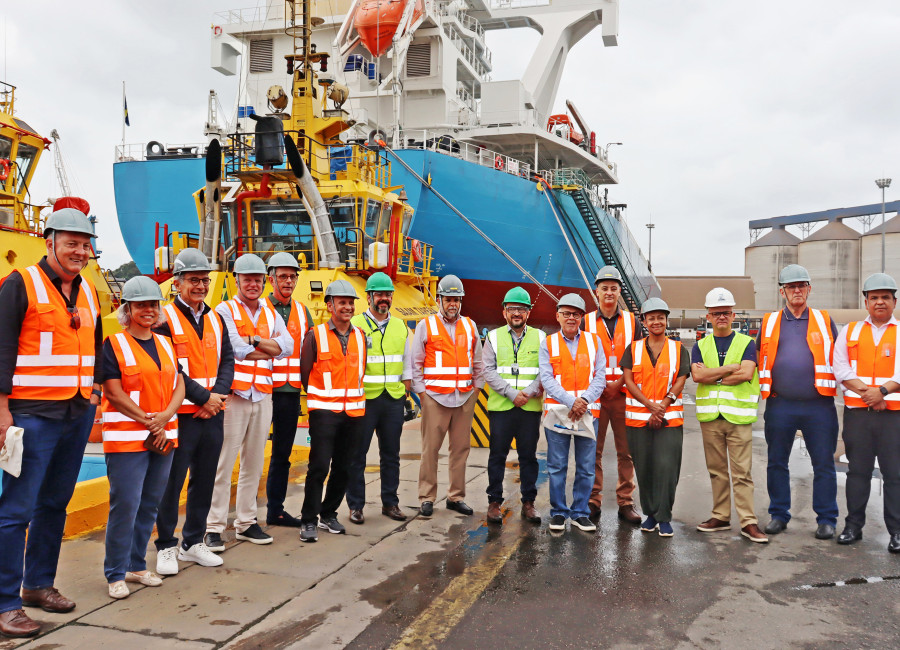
x,y
613,413
727,444
246,431
438,421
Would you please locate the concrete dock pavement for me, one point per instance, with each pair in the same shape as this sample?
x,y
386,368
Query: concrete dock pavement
x,y
455,582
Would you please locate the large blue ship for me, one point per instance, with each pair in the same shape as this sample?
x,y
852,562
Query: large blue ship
x,y
506,194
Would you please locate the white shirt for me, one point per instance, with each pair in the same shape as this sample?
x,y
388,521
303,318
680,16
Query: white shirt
x,y
843,371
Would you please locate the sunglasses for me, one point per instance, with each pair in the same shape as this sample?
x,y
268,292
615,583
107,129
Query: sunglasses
x,y
75,317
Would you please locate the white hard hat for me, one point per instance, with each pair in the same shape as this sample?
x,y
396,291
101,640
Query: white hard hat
x,y
719,297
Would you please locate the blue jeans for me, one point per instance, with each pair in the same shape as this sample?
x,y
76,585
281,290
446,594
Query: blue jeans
x,y
137,481
817,421
557,467
36,502
384,418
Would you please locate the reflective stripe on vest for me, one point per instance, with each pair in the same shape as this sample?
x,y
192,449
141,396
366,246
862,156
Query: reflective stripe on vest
x,y
384,356
335,381
252,373
54,361
199,359
287,370
655,382
448,362
737,404
819,340
574,375
623,336
526,362
874,365
148,386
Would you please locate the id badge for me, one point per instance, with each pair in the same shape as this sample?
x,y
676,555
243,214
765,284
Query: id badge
x,y
888,350
612,362
368,342
515,369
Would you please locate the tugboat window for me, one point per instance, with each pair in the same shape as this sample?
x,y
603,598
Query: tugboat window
x,y
24,160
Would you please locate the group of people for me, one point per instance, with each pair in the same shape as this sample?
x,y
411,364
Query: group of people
x,y
186,389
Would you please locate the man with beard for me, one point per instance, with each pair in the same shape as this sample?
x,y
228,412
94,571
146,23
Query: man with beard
x,y
386,383
514,405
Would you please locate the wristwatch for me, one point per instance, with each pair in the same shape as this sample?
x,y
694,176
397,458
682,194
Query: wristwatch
x,y
255,341
884,391
672,397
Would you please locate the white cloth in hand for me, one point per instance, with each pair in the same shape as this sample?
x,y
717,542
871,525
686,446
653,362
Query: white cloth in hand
x,y
11,453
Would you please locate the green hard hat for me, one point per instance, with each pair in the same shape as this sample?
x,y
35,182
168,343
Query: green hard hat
x,y
249,263
654,304
450,285
793,273
608,273
282,259
517,295
68,220
379,282
190,259
571,300
340,288
878,281
139,288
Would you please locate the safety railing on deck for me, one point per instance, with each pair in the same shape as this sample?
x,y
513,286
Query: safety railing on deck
x,y
154,150
467,52
445,144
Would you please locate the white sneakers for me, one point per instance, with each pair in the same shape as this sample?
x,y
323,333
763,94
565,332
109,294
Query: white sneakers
x,y
166,562
201,554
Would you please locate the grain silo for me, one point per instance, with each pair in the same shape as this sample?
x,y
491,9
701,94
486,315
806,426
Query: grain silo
x,y
831,255
870,250
764,259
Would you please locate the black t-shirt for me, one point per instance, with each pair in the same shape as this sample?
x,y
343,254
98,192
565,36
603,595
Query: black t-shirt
x,y
722,345
684,362
111,369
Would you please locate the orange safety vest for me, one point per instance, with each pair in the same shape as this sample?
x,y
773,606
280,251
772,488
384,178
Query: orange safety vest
x,y
448,363
574,375
199,359
873,364
287,370
252,373
655,383
623,336
336,379
148,386
55,361
819,340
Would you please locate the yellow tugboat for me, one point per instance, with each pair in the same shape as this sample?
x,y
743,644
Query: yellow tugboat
x,y
331,204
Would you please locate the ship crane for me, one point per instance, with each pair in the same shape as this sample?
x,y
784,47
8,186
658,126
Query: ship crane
x,y
61,175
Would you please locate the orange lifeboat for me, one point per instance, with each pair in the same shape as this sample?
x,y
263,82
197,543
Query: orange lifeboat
x,y
376,22
570,133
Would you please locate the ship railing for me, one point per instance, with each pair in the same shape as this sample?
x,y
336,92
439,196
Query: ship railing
x,y
154,150
415,258
447,145
464,19
467,52
465,96
246,15
518,4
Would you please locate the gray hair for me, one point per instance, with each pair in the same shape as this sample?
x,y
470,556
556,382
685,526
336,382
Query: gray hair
x,y
124,315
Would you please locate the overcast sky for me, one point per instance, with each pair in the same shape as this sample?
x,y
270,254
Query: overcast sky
x,y
728,111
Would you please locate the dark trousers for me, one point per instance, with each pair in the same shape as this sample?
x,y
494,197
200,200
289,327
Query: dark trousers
x,y
36,502
384,418
657,463
525,428
333,438
869,435
817,420
199,446
285,413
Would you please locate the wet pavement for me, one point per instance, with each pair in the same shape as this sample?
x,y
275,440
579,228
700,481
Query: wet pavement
x,y
457,582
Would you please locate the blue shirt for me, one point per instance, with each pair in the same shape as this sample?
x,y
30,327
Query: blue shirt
x,y
553,388
794,370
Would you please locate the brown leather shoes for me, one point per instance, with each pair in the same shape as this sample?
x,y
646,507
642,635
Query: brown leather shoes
x,y
529,513
494,515
393,512
629,514
712,524
49,599
357,517
17,625
754,534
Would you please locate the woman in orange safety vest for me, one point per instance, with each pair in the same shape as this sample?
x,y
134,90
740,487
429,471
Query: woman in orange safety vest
x,y
655,370
142,391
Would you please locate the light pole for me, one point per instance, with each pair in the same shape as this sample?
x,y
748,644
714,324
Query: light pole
x,y
650,228
883,183
610,144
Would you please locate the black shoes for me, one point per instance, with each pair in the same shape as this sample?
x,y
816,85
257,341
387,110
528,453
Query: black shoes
x,y
308,532
214,542
255,535
825,531
282,519
332,525
460,507
894,544
849,535
777,526
426,509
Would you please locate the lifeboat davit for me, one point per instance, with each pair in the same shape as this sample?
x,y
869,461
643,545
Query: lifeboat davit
x,y
376,22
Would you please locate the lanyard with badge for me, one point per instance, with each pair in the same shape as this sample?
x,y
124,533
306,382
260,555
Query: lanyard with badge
x,y
514,369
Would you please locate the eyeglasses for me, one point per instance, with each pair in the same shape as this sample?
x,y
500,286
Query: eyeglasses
x,y
570,315
796,286
285,278
75,317
517,310
196,282
720,314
